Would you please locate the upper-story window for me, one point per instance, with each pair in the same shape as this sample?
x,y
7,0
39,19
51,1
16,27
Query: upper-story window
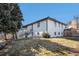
x,y
61,25
38,24
55,24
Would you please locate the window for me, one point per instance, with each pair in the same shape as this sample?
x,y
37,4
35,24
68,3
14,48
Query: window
x,y
54,33
55,24
38,25
58,33
37,33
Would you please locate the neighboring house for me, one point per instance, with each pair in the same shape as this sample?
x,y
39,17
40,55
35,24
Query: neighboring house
x,y
72,28
49,25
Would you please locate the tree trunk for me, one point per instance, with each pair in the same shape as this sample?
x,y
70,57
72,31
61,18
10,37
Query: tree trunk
x,y
5,36
15,35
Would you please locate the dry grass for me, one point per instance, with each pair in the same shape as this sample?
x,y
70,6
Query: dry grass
x,y
65,42
42,47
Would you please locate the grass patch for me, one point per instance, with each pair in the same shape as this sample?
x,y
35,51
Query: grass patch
x,y
42,47
72,38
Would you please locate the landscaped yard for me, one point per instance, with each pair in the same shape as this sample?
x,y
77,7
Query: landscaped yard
x,y
42,47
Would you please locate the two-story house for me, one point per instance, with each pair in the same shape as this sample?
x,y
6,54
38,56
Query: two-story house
x,y
49,25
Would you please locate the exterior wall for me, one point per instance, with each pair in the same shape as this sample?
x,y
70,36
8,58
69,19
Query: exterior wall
x,y
29,30
46,26
55,27
72,32
33,30
37,31
21,34
68,32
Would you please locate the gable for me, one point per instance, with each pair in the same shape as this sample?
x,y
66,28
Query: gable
x,y
44,19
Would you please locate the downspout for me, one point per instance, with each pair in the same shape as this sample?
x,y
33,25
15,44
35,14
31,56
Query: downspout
x,y
32,30
47,26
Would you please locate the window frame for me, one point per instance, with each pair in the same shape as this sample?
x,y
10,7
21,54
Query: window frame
x,y
54,33
38,24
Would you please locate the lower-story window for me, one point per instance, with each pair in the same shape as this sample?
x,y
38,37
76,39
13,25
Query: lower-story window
x,y
37,33
54,33
58,33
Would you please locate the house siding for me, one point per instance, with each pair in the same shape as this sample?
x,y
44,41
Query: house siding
x,y
29,30
40,29
48,26
58,28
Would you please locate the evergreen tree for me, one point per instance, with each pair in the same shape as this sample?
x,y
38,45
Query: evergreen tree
x,y
10,18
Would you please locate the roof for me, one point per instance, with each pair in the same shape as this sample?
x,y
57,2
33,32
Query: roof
x,y
43,20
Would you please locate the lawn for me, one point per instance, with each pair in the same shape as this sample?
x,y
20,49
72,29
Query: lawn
x,y
42,47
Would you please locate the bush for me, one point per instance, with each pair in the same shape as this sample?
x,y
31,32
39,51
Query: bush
x,y
2,44
46,35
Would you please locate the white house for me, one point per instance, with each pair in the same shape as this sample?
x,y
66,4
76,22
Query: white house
x,y
49,25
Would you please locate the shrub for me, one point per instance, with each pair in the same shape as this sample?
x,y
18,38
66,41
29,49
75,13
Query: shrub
x,y
46,35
